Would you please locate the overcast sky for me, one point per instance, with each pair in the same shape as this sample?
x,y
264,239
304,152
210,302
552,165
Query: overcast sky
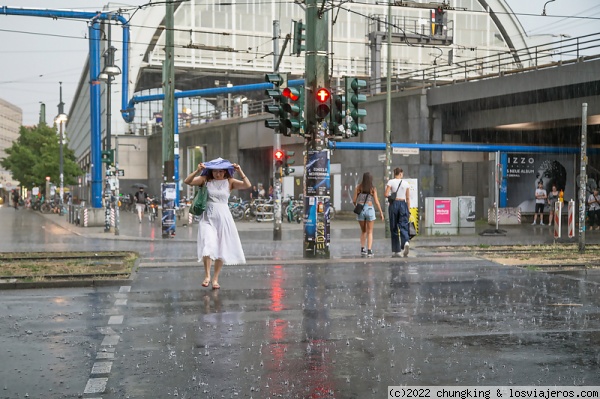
x,y
38,53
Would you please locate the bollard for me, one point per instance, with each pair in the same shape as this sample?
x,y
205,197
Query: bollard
x,y
557,218
571,221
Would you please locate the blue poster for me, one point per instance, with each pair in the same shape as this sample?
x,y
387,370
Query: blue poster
x,y
168,191
317,173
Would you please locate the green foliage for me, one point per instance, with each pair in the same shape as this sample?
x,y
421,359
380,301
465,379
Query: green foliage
x,y
36,154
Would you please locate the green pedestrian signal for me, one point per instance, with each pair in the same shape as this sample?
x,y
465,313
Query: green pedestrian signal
x,y
294,107
299,38
287,161
279,82
108,157
353,101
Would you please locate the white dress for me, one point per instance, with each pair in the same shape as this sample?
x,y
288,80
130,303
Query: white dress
x,y
218,237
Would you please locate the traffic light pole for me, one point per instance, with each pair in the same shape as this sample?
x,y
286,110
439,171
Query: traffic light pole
x,y
387,170
276,145
168,139
317,155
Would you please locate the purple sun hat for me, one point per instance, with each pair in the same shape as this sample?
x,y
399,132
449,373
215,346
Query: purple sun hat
x,y
218,164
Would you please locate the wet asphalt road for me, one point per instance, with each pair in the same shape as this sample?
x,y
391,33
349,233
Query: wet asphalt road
x,y
282,326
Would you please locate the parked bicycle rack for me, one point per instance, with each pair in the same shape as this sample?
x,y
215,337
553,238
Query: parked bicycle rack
x,y
265,214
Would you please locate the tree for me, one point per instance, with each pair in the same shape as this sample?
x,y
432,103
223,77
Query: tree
x,y
36,155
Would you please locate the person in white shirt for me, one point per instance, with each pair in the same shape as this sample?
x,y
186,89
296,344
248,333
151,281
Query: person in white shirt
x,y
594,210
397,191
540,202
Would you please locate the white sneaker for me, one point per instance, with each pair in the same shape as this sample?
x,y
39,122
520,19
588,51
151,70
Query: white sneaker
x,y
541,223
533,224
406,249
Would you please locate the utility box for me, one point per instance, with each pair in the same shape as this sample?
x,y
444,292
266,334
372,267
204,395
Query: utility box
x,y
441,216
466,214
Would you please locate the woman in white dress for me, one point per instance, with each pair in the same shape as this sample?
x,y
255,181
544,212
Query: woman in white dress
x,y
218,238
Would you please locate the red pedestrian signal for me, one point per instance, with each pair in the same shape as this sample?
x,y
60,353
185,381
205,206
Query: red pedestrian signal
x,y
279,155
323,95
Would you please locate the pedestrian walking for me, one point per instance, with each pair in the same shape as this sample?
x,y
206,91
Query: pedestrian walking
x,y
218,238
141,197
594,210
552,200
15,199
366,194
540,202
397,191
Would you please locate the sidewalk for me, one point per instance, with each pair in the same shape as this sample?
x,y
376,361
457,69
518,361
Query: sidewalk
x,y
342,229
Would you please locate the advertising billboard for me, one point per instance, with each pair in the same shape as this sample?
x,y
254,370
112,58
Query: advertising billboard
x,y
524,171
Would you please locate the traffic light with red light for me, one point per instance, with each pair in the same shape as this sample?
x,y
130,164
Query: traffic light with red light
x,y
323,99
439,21
294,108
279,156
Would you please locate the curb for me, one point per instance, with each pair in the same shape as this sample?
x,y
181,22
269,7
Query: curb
x,y
82,283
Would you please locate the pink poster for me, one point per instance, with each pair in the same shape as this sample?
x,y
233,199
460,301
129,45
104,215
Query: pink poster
x,y
441,213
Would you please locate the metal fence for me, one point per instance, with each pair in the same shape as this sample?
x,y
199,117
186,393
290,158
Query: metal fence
x,y
547,55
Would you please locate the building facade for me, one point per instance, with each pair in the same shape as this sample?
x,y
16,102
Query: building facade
x,y
233,44
11,119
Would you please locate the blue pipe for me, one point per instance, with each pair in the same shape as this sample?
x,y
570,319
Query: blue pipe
x,y
95,112
176,152
210,92
95,94
32,12
454,147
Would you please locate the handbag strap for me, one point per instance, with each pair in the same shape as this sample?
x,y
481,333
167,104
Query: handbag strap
x,y
367,197
398,187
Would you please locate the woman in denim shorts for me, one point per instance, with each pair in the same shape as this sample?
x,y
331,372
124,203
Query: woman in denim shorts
x,y
367,194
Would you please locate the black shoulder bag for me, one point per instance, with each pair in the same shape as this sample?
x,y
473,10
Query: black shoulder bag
x,y
359,207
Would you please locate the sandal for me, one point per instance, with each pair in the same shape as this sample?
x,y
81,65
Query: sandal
x,y
206,282
215,286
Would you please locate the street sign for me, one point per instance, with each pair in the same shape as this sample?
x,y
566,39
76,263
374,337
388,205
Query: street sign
x,y
381,157
405,151
120,172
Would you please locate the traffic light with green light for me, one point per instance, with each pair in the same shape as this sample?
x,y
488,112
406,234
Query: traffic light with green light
x,y
294,108
287,161
108,157
353,103
279,82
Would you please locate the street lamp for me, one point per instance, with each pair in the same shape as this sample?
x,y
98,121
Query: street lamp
x,y
108,75
60,119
